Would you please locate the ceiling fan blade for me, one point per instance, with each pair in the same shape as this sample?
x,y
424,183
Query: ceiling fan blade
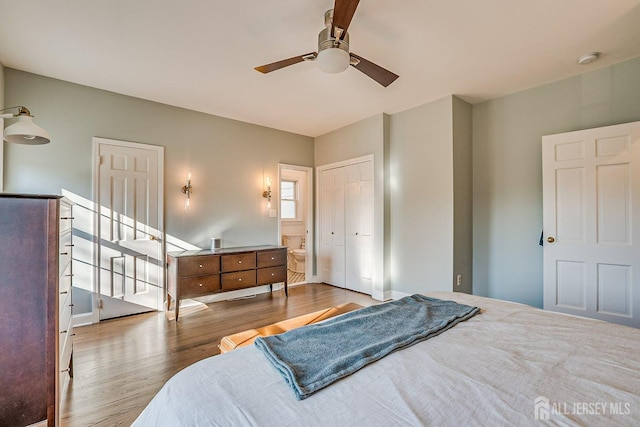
x,y
376,72
343,11
285,63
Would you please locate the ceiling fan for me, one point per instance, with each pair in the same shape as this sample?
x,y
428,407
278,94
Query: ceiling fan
x,y
333,54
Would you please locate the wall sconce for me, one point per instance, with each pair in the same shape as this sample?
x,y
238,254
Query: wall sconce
x,y
267,193
24,131
187,190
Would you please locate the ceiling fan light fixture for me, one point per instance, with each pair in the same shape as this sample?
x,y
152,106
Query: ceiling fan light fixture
x,y
333,60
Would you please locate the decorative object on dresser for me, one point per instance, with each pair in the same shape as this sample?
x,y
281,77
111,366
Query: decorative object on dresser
x,y
35,307
204,272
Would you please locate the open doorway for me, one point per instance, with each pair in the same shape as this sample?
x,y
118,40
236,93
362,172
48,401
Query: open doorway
x,y
295,220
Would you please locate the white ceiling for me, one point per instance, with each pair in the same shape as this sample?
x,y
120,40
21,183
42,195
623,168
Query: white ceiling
x,y
200,54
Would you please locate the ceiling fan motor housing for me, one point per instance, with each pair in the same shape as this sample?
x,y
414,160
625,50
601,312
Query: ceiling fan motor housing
x,y
325,38
325,41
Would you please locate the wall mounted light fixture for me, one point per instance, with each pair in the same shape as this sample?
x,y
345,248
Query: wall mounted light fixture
x,y
267,193
24,131
187,190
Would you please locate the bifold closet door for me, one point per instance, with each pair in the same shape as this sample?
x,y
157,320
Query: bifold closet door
x,y
359,227
332,223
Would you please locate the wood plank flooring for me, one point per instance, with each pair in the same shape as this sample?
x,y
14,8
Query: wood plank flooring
x,y
119,365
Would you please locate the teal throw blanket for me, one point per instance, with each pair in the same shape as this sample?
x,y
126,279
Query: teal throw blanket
x,y
314,356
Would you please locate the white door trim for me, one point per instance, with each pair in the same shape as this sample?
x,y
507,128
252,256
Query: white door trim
x,y
309,245
96,208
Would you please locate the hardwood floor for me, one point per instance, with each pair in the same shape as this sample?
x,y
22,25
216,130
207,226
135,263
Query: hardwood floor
x,y
119,365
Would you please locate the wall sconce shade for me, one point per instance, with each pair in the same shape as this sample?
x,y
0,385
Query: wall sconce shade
x,y
187,190
267,193
25,131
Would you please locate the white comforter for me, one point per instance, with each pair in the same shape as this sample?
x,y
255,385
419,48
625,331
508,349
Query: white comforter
x,y
498,368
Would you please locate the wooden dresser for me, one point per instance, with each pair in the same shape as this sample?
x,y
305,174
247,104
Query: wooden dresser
x,y
35,307
203,272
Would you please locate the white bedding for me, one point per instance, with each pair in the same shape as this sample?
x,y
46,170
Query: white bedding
x,y
488,370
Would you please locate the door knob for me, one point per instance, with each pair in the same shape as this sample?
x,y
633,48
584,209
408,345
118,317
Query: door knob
x,y
550,239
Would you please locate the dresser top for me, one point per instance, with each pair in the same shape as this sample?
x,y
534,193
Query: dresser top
x,y
224,251
29,196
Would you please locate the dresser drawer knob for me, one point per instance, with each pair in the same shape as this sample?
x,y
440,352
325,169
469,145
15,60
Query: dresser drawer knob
x,y
200,265
239,280
273,274
239,262
272,258
200,284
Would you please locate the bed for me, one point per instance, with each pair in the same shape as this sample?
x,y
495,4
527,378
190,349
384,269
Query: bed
x,y
509,365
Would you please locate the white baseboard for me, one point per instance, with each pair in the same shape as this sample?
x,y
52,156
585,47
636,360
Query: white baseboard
x,y
83,319
398,294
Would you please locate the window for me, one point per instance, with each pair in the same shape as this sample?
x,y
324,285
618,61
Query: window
x,y
289,199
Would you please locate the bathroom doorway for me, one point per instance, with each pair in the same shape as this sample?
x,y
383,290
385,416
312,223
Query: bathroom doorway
x,y
295,220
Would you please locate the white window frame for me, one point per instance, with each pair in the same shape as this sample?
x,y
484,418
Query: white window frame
x,y
296,199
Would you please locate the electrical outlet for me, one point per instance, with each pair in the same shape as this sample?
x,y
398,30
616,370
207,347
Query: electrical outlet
x,y
459,280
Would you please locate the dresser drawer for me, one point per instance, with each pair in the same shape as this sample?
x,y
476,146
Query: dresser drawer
x,y
237,262
271,258
65,250
199,265
199,285
66,348
65,217
238,280
64,305
64,311
272,275
65,280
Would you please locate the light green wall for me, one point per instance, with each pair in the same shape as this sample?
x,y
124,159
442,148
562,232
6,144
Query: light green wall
x,y
507,170
416,164
462,117
228,159
421,174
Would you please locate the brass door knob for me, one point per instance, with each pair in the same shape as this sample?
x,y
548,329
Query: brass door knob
x,y
550,239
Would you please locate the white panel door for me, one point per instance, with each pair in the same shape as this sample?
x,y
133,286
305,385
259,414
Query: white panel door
x,y
359,227
326,226
337,232
332,239
130,228
591,186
